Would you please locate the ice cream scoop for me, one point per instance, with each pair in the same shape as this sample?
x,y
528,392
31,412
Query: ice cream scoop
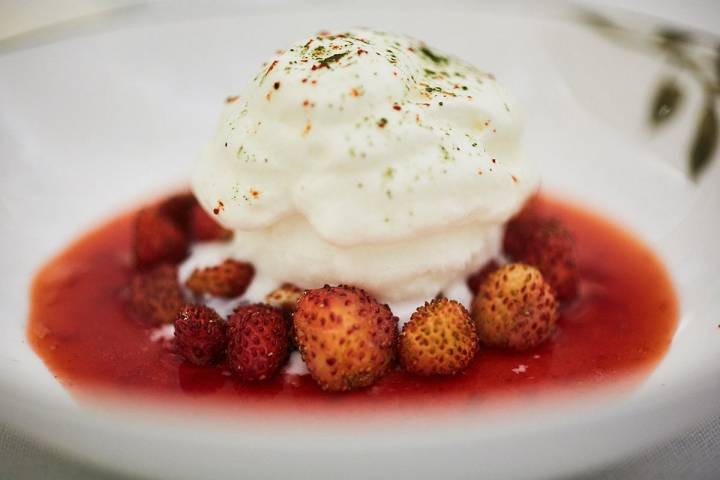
x,y
367,158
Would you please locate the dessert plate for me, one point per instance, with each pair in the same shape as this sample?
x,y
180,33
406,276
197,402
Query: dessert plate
x,y
101,117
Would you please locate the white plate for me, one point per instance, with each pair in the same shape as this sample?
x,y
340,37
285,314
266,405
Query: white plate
x,y
95,121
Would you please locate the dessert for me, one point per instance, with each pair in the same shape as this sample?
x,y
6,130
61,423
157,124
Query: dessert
x,y
439,339
346,338
369,159
258,342
154,297
228,279
363,226
515,308
546,244
200,334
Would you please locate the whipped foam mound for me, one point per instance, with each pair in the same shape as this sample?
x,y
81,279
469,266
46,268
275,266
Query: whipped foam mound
x,y
366,158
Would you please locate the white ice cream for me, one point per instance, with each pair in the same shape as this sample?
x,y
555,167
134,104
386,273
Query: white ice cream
x,y
369,159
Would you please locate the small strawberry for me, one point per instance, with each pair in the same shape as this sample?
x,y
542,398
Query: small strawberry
x,y
157,239
258,344
185,211
200,335
285,298
515,308
229,279
345,336
546,244
155,296
439,339
204,228
474,280
178,208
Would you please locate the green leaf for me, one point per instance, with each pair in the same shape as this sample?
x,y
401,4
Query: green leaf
x,y
674,41
671,36
706,140
597,20
666,102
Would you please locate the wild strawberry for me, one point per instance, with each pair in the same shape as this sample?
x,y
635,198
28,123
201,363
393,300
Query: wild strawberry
x,y
154,296
185,211
345,336
285,298
200,334
515,308
546,244
178,208
157,239
204,228
474,280
229,279
258,344
439,339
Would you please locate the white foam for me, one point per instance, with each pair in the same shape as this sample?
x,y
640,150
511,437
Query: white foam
x,y
383,169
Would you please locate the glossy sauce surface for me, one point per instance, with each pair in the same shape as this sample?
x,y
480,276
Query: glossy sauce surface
x,y
617,330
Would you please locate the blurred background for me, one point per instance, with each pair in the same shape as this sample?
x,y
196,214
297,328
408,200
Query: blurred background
x,y
21,16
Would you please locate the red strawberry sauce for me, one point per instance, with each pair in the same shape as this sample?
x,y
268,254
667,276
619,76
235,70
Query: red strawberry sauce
x,y
618,329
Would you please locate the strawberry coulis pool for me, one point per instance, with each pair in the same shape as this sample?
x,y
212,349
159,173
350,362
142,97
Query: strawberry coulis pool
x,y
618,328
